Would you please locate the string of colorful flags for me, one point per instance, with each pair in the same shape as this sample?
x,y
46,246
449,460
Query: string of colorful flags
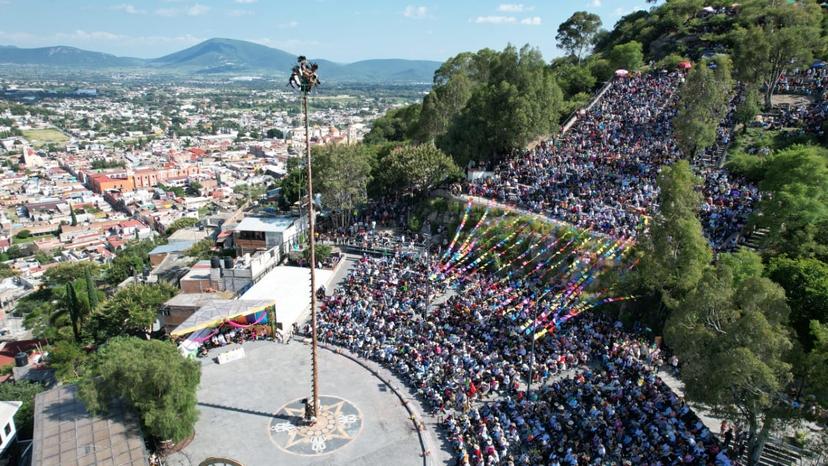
x,y
568,261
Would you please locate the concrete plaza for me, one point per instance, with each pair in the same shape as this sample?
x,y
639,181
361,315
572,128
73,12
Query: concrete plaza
x,y
238,402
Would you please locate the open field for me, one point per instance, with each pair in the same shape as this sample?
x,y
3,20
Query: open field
x,y
43,137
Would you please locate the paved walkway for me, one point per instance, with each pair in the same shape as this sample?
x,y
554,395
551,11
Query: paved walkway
x,y
238,403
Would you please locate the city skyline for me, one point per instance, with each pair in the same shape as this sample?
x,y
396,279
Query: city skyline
x,y
338,31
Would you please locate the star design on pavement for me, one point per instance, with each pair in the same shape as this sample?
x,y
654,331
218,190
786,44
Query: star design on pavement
x,y
332,424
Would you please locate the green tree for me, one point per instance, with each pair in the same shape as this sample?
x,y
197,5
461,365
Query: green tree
x,y
194,188
24,391
275,133
131,310
454,83
152,378
629,56
796,207
73,306
67,359
91,290
816,364
181,223
416,169
294,182
703,103
577,34
321,251
574,79
23,234
520,101
805,281
130,261
6,271
674,253
780,38
397,125
733,342
341,174
747,109
202,249
74,217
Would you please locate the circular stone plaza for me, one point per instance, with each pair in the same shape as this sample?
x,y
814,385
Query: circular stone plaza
x,y
251,412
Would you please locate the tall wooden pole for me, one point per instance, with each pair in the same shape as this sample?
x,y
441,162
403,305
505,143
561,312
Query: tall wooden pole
x,y
312,247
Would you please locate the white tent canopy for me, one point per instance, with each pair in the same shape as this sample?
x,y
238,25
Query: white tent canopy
x,y
289,287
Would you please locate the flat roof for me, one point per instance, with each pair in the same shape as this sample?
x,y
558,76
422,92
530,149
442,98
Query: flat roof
x,y
267,224
173,246
191,299
8,410
66,434
289,288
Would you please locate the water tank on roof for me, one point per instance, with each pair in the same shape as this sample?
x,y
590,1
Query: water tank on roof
x,y
228,262
21,359
215,262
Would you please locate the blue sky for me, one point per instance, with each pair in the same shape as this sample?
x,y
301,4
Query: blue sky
x,y
339,30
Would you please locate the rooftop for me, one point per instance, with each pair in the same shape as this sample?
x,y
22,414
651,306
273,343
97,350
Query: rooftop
x,y
173,246
266,224
191,299
65,433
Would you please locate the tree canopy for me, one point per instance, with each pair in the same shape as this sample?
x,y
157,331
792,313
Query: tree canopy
x,y
775,38
520,101
131,310
674,253
341,174
416,168
151,377
732,340
703,101
577,34
628,56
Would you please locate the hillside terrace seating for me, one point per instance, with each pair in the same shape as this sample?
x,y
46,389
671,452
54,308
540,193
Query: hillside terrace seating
x,y
602,173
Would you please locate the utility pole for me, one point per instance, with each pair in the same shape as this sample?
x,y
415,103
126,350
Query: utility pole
x,y
305,79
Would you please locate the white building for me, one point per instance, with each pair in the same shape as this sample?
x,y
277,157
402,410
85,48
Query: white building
x,y
8,431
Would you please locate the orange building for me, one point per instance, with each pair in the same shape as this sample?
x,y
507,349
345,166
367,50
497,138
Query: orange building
x,y
101,183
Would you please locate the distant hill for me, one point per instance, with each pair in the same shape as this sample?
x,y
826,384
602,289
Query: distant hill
x,y
63,56
225,56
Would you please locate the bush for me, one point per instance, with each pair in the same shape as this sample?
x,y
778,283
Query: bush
x,y
23,234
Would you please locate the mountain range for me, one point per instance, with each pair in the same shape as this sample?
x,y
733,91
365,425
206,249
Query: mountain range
x,y
223,56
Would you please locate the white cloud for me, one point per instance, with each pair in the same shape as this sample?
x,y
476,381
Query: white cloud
x,y
417,12
246,1
514,7
238,13
81,35
128,9
197,10
595,3
495,20
166,12
531,21
289,25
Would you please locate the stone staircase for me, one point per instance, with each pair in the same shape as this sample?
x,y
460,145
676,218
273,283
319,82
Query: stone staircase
x,y
780,453
755,238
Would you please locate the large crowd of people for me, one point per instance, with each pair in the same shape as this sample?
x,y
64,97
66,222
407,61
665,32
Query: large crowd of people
x,y
602,172
596,397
